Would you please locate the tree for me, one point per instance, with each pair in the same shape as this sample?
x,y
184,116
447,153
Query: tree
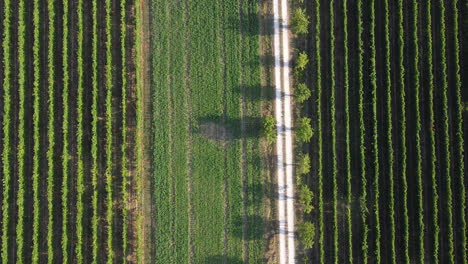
x,y
300,21
306,196
302,61
303,164
302,92
304,131
269,129
307,234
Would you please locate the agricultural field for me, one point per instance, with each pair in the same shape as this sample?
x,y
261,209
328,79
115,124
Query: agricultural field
x,y
389,94
131,132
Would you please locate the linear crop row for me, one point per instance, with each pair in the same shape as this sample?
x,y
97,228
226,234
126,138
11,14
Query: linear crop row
x,y
362,129
333,132
6,152
319,132
50,129
347,133
109,134
65,130
403,161
375,135
459,134
391,154
445,125
36,136
94,135
21,132
123,36
418,132
432,138
79,139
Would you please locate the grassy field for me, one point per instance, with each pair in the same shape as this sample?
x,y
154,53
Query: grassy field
x,y
206,108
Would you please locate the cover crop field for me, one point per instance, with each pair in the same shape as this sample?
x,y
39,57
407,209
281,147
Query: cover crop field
x,y
389,90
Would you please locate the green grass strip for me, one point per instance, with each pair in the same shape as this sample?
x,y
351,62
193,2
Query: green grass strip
x,y
109,134
50,131
123,37
391,153
362,128
65,124
319,132
94,137
432,139
445,125
79,136
333,132
21,134
419,175
401,45
6,152
459,134
375,135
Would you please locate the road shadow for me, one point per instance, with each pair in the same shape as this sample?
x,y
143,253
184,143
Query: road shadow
x,y
249,25
254,92
215,128
221,259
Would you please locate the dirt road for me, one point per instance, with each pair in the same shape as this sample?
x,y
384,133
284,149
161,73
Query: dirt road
x,y
284,146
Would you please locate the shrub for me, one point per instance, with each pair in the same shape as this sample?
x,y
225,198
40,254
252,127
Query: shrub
x,y
306,196
304,131
269,129
303,164
307,234
302,92
300,21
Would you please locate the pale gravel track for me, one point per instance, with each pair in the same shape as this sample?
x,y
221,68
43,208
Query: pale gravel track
x,y
284,145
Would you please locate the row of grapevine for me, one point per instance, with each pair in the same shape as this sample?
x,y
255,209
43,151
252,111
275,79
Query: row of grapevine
x,y
333,132
391,154
109,135
419,175
432,139
21,134
375,135
94,135
79,140
65,125
445,125
459,134
318,60
50,130
123,30
347,133
36,132
362,129
6,152
403,161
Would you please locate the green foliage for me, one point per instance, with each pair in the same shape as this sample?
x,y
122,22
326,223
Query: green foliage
x,y
304,131
269,129
300,21
302,61
307,234
65,154
303,163
6,125
302,92
306,196
50,130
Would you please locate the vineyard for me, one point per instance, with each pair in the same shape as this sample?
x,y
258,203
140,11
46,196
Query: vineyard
x,y
388,81
67,82
130,132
